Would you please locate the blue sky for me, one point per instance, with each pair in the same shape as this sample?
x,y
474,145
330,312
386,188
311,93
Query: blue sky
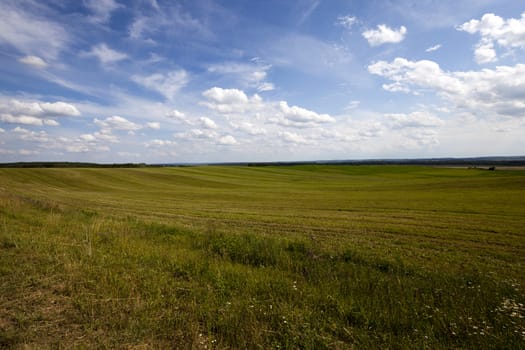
x,y
260,80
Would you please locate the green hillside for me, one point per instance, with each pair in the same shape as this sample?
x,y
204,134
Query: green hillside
x,y
310,256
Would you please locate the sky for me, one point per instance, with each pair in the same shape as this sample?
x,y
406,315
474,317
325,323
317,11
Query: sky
x,y
202,81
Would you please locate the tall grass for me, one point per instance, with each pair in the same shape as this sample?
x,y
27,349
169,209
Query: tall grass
x,y
300,257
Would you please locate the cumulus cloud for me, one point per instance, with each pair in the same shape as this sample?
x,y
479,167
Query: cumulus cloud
x,y
384,34
228,140
420,119
105,54
167,84
291,137
231,100
197,134
159,143
153,125
178,115
485,53
297,114
36,113
88,137
33,61
236,104
41,139
59,109
116,122
248,128
487,92
27,135
20,119
495,30
207,123
370,129
51,122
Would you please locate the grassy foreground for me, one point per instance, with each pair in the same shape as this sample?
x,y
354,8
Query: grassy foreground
x,y
307,257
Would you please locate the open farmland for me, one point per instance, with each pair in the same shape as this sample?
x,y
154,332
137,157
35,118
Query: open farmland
x,y
262,257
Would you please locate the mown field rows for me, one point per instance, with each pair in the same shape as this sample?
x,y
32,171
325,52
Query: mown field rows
x,y
262,257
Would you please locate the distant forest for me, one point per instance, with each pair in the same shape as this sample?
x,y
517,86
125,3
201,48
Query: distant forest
x,y
469,162
69,165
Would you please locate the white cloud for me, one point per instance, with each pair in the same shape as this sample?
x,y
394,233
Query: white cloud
x,y
265,87
346,21
297,114
51,122
485,53
88,137
433,48
384,34
35,113
353,104
506,33
235,105
324,59
137,28
2,130
226,96
168,84
370,129
33,61
248,128
20,119
82,143
105,135
207,123
248,75
27,135
178,115
59,109
172,21
231,100
228,140
487,92
291,137
101,9
414,120
23,107
105,54
159,143
26,152
30,34
197,134
117,123
153,125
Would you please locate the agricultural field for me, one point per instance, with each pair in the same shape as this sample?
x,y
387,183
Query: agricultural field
x,y
310,257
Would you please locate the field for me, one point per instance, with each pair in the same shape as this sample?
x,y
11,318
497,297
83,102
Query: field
x,y
307,257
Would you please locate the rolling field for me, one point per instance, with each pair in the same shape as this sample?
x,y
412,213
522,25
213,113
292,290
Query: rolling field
x,y
309,257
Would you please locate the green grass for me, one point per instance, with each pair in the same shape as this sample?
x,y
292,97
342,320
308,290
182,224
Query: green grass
x,y
262,257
